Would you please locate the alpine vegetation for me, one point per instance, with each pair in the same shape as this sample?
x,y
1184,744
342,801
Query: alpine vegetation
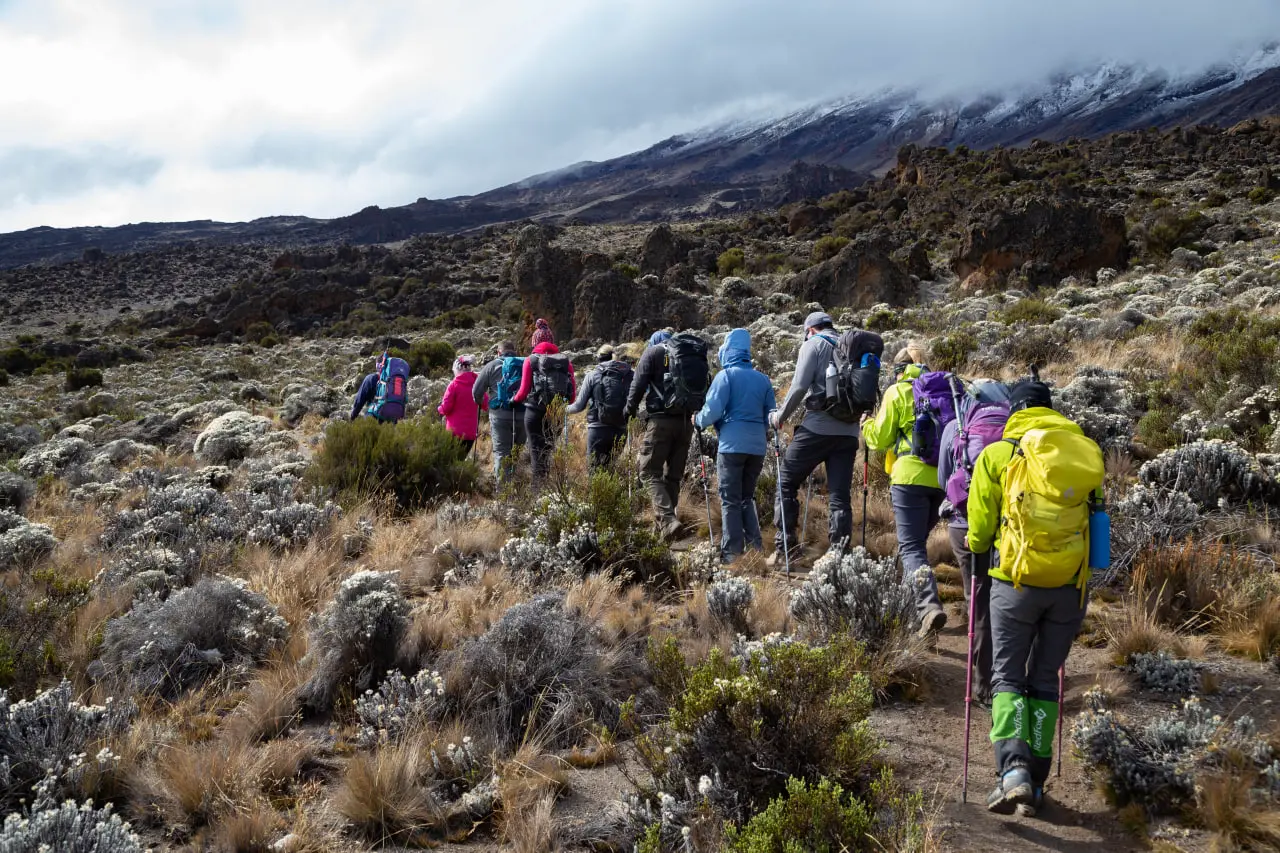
x,y
354,639
1216,474
165,647
1163,672
728,600
22,542
858,593
398,707
67,828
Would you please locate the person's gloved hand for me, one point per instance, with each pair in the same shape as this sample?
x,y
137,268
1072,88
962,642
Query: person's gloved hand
x,y
775,420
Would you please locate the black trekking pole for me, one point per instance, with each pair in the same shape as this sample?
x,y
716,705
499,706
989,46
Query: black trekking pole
x,y
804,525
706,495
782,511
866,489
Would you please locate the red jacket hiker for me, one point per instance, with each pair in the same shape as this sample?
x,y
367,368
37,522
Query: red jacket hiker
x,y
526,376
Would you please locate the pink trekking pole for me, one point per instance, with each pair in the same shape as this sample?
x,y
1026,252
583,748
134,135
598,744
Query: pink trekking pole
x,y
1062,684
968,674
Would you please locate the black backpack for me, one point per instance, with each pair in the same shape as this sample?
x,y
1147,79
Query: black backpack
x,y
688,375
550,379
610,393
857,361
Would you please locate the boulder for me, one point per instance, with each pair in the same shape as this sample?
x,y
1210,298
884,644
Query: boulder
x,y
862,274
805,218
319,400
1042,238
230,437
612,307
545,277
663,249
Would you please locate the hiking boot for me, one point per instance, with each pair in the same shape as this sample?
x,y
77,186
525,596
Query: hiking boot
x,y
1034,807
1014,790
933,622
671,529
777,560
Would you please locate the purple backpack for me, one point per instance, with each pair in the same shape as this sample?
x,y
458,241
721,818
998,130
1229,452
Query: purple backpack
x,y
934,409
984,425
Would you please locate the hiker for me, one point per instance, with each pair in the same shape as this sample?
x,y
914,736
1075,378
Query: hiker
x,y
547,374
498,382
738,406
385,391
672,380
913,480
828,435
1031,496
603,394
984,410
460,410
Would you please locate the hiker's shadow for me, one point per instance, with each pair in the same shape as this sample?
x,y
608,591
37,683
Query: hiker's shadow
x,y
1055,814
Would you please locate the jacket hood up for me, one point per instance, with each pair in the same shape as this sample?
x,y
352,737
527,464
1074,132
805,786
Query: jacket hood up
x,y
736,349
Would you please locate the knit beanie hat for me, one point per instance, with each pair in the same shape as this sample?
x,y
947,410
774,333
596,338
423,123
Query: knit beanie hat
x,y
542,333
462,364
1030,394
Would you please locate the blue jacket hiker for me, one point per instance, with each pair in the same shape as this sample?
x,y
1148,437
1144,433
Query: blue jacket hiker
x,y
738,406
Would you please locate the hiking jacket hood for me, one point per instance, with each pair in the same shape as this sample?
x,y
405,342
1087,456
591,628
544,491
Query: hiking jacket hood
x,y
526,375
890,431
461,412
739,400
986,491
365,395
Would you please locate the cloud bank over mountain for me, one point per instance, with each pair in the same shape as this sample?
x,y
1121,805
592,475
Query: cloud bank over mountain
x,y
134,110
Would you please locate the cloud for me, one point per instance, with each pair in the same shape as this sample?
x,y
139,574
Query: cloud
x,y
187,109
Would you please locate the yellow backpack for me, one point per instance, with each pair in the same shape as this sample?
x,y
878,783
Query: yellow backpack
x,y
1044,540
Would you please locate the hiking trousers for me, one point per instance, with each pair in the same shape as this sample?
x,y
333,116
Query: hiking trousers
x,y
602,443
806,452
915,512
542,438
1032,630
664,452
506,429
738,474
971,563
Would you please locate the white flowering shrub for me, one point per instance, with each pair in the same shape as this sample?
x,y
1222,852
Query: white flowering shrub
x,y
21,542
166,647
15,491
1101,402
539,671
354,639
1156,762
1148,517
16,440
728,600
67,828
1163,672
45,740
155,569
54,457
1214,473
230,437
856,593
400,705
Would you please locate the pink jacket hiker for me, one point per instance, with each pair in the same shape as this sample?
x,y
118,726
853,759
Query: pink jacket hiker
x,y
461,416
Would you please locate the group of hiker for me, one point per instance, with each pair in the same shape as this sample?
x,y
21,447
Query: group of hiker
x,y
1017,484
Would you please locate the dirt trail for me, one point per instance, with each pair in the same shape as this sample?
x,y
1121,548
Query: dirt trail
x,y
925,740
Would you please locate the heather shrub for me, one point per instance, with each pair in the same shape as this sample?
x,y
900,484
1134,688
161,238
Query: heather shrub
x,y
1163,672
430,356
15,491
416,461
1148,517
35,609
219,626
1033,312
855,594
825,248
952,351
1156,763
728,600
731,262
354,639
400,706
778,709
1214,473
21,542
82,377
825,818
540,672
46,739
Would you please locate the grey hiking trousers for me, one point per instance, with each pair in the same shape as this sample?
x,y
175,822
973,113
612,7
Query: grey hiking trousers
x,y
915,512
506,428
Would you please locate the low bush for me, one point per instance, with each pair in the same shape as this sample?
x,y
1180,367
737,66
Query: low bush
x,y
217,627
627,270
731,262
855,594
952,352
828,247
416,461
15,491
36,608
778,709
1213,473
353,641
83,377
1033,312
67,828
430,356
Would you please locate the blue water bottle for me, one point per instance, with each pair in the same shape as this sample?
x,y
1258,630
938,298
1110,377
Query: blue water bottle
x,y
1099,537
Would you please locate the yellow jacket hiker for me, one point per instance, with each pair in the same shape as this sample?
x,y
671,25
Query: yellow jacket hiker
x,y
890,431
1030,496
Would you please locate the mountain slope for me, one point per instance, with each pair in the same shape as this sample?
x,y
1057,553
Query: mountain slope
x,y
747,165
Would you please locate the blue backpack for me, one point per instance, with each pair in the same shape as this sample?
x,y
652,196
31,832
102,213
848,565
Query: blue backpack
x,y
393,390
508,382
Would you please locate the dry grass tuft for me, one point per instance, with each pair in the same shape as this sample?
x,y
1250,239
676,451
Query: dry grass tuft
x,y
528,785
270,705
939,547
1133,629
383,796
1254,635
770,612
1227,806
202,782
251,829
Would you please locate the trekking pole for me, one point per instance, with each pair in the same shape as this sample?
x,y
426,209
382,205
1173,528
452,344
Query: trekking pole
x,y
706,495
782,510
804,525
1062,684
968,673
866,488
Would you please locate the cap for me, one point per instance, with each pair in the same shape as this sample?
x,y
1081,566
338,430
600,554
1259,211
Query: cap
x,y
817,318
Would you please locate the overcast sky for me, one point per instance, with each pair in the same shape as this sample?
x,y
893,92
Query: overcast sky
x,y
116,111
